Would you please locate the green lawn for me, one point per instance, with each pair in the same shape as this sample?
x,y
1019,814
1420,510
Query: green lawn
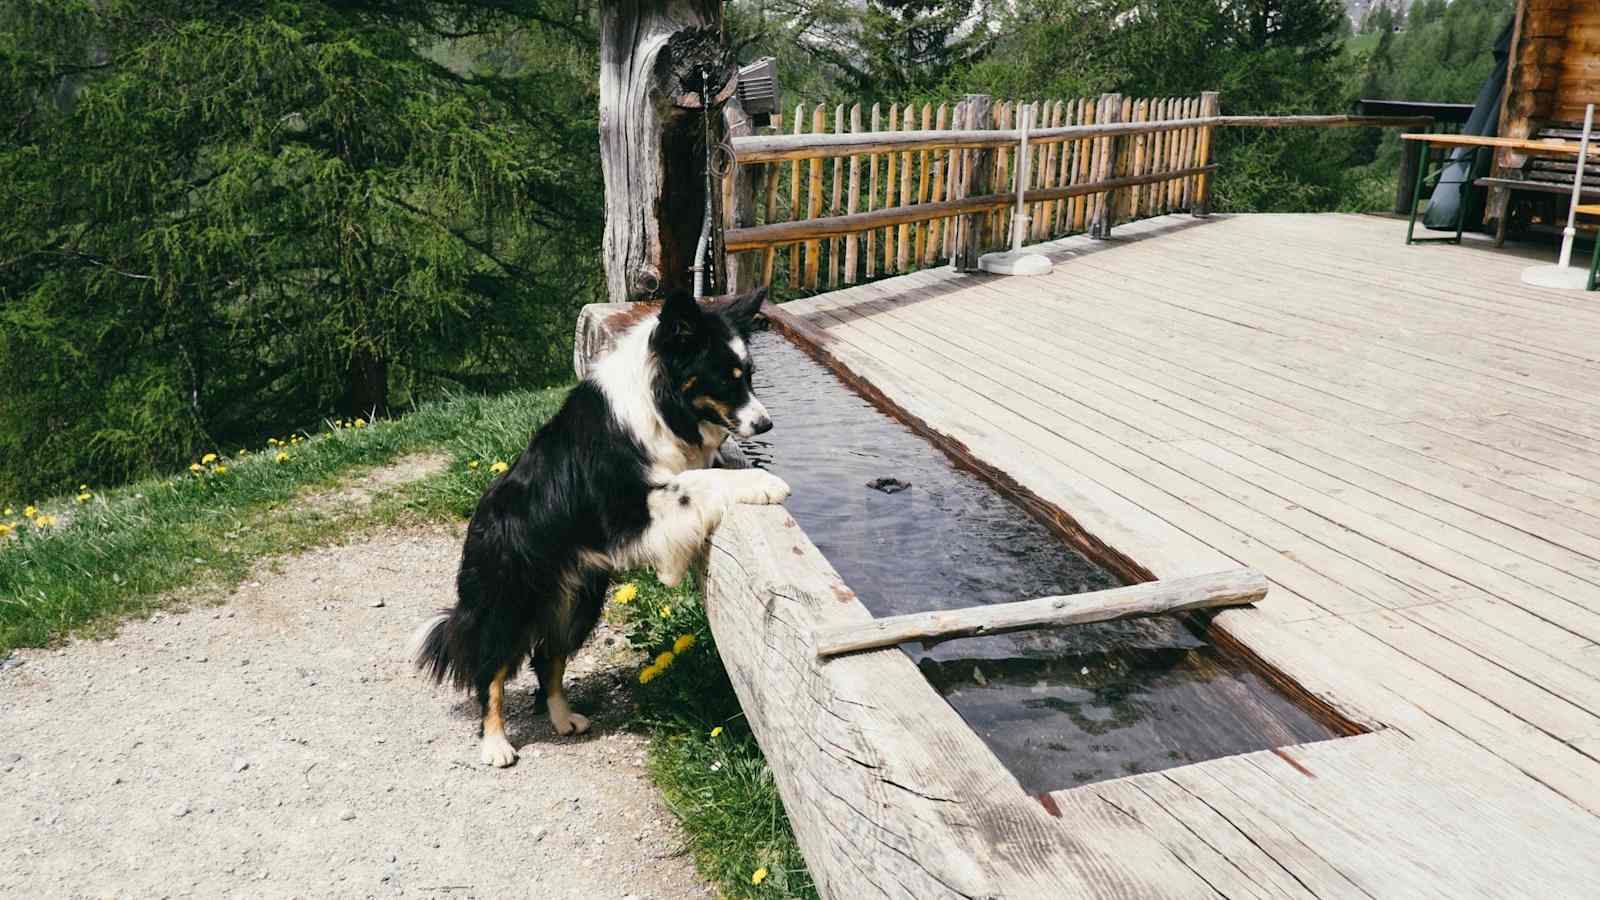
x,y
192,536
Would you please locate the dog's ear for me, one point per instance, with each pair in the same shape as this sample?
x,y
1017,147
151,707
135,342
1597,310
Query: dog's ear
x,y
680,316
741,310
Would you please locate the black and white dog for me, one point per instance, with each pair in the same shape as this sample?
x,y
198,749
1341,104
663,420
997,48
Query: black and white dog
x,y
618,478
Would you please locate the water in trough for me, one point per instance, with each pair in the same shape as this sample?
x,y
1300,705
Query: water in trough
x,y
1059,707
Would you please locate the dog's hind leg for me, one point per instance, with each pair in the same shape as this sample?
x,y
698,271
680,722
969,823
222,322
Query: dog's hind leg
x,y
564,720
496,750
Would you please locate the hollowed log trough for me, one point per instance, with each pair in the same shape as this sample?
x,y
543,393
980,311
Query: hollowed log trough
x,y
888,790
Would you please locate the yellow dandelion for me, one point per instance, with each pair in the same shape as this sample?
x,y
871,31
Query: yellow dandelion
x,y
498,467
473,464
272,442
683,643
30,510
758,875
626,593
9,512
45,521
282,457
83,487
361,423
716,731
242,452
666,610
208,459
648,674
664,659
196,467
84,497
5,529
221,470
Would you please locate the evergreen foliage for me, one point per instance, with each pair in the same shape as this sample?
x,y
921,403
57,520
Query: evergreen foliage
x,y
221,219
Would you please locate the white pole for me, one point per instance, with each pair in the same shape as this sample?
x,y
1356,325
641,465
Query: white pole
x,y
1019,221
1015,261
1571,231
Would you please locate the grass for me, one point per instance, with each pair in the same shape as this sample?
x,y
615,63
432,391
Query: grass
x,y
196,534
191,537
718,784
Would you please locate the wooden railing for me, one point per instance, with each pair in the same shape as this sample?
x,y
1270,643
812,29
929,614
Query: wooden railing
x,y
887,194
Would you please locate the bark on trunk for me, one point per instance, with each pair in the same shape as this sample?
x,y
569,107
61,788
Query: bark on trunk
x,y
367,386
652,138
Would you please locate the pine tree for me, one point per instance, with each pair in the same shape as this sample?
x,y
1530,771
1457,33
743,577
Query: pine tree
x,y
220,219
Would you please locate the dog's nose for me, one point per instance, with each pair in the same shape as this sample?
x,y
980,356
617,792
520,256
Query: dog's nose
x,y
762,425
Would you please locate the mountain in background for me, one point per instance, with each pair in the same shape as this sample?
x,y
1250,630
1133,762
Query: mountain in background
x,y
1357,9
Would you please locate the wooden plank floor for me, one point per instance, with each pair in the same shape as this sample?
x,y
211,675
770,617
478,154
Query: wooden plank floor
x,y
1406,441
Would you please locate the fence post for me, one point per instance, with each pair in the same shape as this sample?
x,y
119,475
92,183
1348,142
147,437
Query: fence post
x,y
977,175
1210,103
1111,108
737,206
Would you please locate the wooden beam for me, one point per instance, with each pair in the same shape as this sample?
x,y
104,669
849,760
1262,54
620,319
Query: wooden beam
x,y
1235,587
771,148
739,240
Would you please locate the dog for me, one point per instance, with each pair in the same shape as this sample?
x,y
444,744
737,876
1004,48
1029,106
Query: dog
x,y
619,477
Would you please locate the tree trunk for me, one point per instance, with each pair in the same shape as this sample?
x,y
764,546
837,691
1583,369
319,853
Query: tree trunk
x,y
366,392
652,137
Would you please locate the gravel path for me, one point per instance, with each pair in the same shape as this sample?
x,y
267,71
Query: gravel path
x,y
280,745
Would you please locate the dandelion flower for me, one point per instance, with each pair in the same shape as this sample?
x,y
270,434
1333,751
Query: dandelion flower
x,y
624,594
272,442
221,470
648,674
361,423
8,511
45,521
666,610
242,452
282,456
473,464
208,459
30,510
84,497
498,467
683,643
6,528
83,487
716,731
758,875
664,659
196,467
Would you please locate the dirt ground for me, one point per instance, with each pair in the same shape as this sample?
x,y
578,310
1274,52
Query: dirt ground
x,y
280,745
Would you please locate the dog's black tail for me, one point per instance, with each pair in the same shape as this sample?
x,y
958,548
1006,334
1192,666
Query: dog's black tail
x,y
443,647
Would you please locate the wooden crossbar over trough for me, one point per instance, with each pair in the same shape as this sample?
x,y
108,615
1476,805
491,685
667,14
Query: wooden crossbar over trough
x,y
1234,587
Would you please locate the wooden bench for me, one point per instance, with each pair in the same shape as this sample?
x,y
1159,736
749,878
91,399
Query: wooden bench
x,y
1542,183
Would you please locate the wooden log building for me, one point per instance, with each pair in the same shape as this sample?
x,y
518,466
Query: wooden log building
x,y
1554,71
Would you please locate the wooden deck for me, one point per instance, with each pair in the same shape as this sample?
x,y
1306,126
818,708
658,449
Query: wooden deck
x,y
1406,441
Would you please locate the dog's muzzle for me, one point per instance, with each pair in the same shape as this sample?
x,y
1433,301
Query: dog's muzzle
x,y
752,419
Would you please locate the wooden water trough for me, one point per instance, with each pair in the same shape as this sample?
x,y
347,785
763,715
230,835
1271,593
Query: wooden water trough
x,y
889,791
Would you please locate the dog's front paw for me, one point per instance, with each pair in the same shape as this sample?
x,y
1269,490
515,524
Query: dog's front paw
x,y
764,488
570,724
497,751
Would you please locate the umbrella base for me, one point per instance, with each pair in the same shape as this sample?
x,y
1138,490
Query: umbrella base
x,y
1563,278
1015,262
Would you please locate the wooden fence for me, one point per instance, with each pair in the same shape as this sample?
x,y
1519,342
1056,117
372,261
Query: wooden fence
x,y
918,193
885,192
